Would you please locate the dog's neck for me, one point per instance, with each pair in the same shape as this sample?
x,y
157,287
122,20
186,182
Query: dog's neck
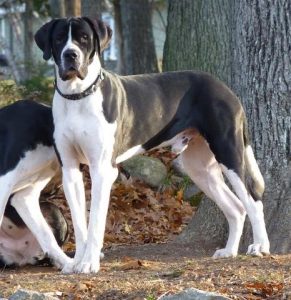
x,y
77,85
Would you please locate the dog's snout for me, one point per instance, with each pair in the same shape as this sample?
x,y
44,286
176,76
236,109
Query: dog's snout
x,y
71,54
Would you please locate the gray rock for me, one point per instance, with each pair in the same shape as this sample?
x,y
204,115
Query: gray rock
x,y
23,294
195,294
190,191
148,169
178,166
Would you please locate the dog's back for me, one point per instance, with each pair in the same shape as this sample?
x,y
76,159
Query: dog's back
x,y
23,125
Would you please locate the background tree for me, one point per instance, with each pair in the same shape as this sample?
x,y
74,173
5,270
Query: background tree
x,y
246,44
57,8
91,8
73,8
137,48
28,39
200,39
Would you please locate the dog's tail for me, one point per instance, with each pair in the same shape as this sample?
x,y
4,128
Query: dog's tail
x,y
254,179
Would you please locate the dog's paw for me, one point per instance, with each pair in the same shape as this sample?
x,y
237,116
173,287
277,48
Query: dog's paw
x,y
258,250
87,267
224,253
68,268
60,264
102,255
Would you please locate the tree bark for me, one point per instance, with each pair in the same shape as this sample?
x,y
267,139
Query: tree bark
x,y
73,8
119,37
28,39
261,76
92,8
199,37
57,8
247,44
139,50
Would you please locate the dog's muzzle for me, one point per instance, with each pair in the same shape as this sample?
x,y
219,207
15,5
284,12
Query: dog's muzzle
x,y
71,65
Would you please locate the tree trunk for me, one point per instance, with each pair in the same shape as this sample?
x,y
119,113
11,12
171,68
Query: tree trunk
x,y
262,78
199,37
138,41
120,68
91,8
28,39
57,8
73,8
254,59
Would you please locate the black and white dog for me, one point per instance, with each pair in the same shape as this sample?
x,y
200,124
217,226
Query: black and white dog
x,y
18,245
27,163
102,119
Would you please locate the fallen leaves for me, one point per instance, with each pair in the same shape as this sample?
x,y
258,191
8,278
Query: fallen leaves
x,y
264,289
137,213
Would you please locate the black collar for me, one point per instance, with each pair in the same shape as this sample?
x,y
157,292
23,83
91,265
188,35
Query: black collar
x,y
90,90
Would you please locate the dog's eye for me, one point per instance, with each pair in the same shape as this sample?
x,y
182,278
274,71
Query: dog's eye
x,y
84,38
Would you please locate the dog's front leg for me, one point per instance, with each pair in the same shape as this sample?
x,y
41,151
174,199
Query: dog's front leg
x,y
75,195
103,175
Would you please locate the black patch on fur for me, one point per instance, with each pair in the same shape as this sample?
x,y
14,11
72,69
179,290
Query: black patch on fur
x,y
12,214
23,126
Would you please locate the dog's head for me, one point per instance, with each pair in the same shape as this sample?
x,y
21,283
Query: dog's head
x,y
73,43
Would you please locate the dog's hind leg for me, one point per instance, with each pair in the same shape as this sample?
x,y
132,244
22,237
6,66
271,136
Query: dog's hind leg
x,y
200,164
237,160
26,203
261,244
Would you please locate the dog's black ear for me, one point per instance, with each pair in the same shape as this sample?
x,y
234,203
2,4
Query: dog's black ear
x,y
43,38
103,32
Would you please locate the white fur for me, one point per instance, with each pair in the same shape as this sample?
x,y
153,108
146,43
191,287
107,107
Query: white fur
x,y
77,85
129,153
83,135
254,209
200,164
253,168
177,144
26,181
71,46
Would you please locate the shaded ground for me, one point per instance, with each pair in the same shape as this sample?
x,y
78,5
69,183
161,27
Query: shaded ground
x,y
149,271
137,271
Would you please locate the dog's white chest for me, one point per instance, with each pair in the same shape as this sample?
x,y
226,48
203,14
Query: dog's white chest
x,y
82,123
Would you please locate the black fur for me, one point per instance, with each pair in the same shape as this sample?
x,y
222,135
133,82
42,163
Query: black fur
x,y
23,125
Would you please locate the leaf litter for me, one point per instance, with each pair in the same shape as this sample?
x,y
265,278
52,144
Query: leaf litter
x,y
142,262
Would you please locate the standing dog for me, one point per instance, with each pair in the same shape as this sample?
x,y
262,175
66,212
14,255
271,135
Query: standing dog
x,y
102,119
27,163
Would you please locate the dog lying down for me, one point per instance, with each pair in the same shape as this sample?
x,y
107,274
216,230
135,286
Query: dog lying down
x,y
18,246
27,163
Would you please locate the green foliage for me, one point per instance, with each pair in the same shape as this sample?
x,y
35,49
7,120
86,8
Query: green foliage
x,y
39,87
9,92
150,297
196,199
42,7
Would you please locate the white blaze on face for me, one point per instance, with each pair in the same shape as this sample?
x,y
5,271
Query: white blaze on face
x,y
71,46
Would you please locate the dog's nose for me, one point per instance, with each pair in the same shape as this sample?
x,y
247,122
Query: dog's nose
x,y
71,54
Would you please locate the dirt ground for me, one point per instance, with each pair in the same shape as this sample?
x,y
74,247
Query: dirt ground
x,y
149,271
